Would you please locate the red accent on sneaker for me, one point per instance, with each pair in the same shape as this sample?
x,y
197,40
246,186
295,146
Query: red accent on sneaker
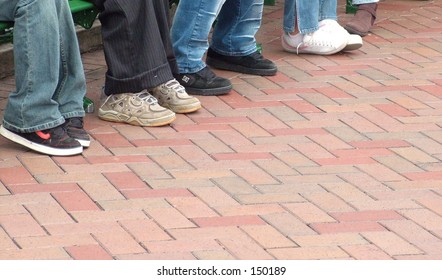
x,y
43,135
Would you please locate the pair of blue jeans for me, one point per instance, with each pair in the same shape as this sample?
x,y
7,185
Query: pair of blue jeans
x,y
308,14
49,75
237,22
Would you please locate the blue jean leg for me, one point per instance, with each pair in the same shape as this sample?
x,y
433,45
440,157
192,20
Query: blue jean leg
x,y
50,82
190,30
234,33
307,14
236,27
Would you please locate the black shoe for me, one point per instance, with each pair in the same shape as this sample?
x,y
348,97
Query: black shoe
x,y
204,82
254,64
74,128
54,141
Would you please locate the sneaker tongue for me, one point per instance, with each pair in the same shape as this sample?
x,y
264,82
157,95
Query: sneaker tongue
x,y
56,131
207,73
146,96
256,55
76,122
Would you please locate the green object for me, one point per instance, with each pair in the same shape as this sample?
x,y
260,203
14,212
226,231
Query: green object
x,y
6,31
350,8
88,105
83,12
259,47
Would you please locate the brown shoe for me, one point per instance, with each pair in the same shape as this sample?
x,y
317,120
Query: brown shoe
x,y
363,20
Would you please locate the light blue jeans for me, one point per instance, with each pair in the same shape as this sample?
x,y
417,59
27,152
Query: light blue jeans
x,y
49,76
307,13
233,34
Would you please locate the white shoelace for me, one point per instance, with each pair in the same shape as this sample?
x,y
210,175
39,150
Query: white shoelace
x,y
175,85
146,96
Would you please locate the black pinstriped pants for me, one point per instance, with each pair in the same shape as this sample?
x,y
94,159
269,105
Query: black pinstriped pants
x,y
137,45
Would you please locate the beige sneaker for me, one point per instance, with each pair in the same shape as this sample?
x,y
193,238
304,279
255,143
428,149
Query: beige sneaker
x,y
135,108
172,95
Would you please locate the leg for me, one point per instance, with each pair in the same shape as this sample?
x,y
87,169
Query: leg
x,y
49,78
289,16
327,9
137,54
364,18
233,44
319,32
237,24
40,83
140,62
190,32
307,15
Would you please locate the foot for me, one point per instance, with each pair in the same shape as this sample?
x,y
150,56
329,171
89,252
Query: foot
x,y
75,129
363,20
354,41
322,42
54,141
140,109
173,96
204,82
254,64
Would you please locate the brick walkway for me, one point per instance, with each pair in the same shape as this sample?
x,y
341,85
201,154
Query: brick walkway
x,y
336,157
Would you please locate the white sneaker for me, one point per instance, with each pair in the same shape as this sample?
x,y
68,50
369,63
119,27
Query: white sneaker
x,y
354,41
322,42
173,96
290,43
134,108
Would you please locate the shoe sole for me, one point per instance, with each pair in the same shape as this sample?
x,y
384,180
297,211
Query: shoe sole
x,y
354,31
351,47
219,64
291,49
118,118
209,91
183,109
84,143
38,147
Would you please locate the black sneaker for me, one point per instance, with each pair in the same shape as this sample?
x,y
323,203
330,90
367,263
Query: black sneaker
x,y
54,141
254,64
74,128
204,82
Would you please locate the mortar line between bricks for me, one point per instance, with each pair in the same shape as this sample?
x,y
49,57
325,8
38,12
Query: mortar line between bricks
x,y
102,245
357,166
139,242
361,190
205,203
36,220
10,237
416,245
259,167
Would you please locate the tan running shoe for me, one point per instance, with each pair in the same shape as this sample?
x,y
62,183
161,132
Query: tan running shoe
x,y
173,96
140,109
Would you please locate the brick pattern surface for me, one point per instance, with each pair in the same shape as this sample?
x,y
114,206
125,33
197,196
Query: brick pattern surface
x,y
335,157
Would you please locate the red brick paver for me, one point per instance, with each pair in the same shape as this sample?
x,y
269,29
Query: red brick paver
x,y
335,157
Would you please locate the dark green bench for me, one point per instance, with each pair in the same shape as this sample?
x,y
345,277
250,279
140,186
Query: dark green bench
x,y
83,13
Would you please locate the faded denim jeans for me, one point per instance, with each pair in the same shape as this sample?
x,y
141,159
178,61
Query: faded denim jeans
x,y
307,13
50,82
237,22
